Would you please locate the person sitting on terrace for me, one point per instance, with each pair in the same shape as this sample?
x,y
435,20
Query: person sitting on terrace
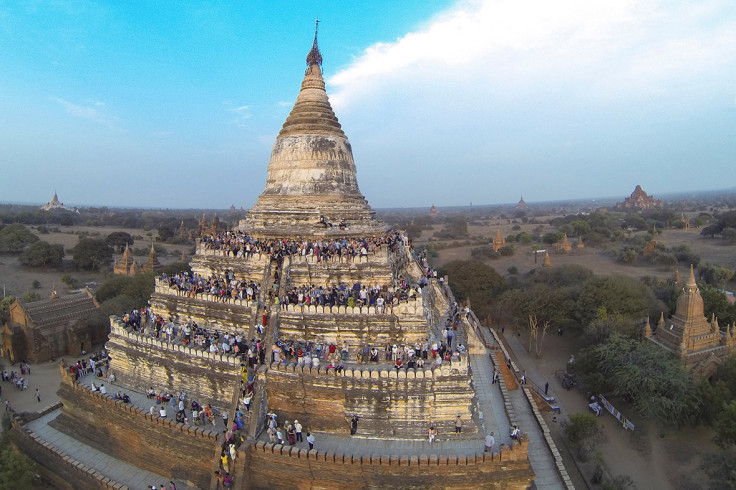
x,y
515,432
151,393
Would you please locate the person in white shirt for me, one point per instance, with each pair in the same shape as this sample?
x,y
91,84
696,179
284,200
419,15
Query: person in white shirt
x,y
103,390
298,430
490,442
162,411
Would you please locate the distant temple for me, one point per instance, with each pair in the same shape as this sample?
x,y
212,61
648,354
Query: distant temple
x,y
434,212
127,265
522,205
639,200
214,228
564,245
699,343
499,242
55,205
51,328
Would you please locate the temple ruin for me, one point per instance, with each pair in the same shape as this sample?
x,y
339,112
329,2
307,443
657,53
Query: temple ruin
x,y
311,197
698,342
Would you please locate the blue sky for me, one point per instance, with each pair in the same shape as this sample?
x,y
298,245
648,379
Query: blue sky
x,y
165,105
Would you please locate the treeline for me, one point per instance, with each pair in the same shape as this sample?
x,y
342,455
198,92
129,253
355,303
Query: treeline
x,y
145,219
610,313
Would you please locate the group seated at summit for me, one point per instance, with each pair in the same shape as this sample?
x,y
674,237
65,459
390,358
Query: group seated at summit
x,y
239,244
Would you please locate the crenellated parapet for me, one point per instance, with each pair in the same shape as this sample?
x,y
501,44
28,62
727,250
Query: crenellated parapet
x,y
507,468
394,404
141,361
414,307
132,435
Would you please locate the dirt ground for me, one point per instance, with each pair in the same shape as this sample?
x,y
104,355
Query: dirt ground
x,y
44,376
17,280
653,456
712,251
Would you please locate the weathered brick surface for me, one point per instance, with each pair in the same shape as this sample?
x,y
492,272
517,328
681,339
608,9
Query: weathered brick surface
x,y
389,406
125,433
274,470
56,468
141,362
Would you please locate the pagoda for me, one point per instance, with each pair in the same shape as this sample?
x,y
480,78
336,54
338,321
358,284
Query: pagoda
x,y
639,200
522,205
311,183
324,306
126,266
698,342
499,242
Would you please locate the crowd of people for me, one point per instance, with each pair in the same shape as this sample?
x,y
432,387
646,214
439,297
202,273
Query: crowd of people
x,y
18,379
97,365
410,356
224,286
239,244
346,295
287,433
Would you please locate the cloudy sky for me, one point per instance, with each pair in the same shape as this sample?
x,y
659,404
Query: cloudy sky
x,y
157,104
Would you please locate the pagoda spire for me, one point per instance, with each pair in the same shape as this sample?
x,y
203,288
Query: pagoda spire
x,y
314,57
691,284
647,329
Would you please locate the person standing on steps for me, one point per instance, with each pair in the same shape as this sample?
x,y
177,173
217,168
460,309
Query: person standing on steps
x,y
354,425
38,396
298,429
458,425
310,440
490,442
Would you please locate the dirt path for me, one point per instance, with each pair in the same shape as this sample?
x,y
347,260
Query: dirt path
x,y
653,456
45,376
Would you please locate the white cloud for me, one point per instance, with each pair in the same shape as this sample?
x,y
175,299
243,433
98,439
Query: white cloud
x,y
609,46
91,113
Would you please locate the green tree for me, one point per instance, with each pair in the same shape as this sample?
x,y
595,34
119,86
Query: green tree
x,y
619,295
69,280
15,238
603,325
30,297
653,380
717,304
584,433
721,469
166,231
549,304
16,470
42,254
715,275
474,280
725,426
91,254
5,307
118,240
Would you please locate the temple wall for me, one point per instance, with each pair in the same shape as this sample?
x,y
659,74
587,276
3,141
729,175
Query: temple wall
x,y
205,309
140,362
389,404
56,467
356,326
212,262
132,435
273,466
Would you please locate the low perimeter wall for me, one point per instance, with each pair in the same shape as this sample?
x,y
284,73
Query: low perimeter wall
x,y
400,404
136,437
274,466
55,466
